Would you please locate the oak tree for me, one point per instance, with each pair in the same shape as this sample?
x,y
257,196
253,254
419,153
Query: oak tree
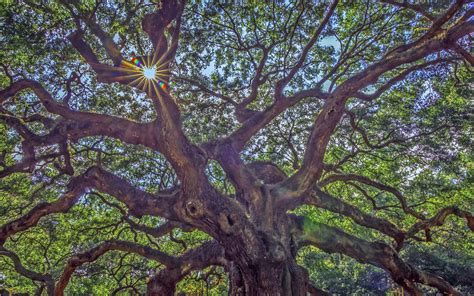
x,y
268,131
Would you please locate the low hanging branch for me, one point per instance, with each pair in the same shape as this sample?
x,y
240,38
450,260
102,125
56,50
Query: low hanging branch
x,y
334,240
47,279
91,255
76,189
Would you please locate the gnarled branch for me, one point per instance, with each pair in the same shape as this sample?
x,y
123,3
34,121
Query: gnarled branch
x,y
334,240
94,253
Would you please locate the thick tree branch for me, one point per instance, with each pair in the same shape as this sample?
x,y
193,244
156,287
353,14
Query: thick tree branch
x,y
112,49
333,108
174,144
154,24
76,188
325,201
173,47
259,119
334,240
157,232
76,39
435,28
164,282
83,124
138,202
464,53
396,79
111,245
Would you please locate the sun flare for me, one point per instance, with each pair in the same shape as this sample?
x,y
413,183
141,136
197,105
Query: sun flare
x,y
149,73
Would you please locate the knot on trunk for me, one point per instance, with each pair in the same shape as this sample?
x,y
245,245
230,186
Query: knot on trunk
x,y
226,222
195,209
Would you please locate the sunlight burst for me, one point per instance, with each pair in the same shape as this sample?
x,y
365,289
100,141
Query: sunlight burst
x,y
149,72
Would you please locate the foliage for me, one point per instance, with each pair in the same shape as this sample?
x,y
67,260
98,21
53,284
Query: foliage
x,y
414,137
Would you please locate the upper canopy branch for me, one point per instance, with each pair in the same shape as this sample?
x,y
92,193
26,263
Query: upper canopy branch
x,y
375,184
436,28
334,107
76,124
387,140
414,7
257,81
400,77
155,24
284,81
206,89
112,49
438,220
259,119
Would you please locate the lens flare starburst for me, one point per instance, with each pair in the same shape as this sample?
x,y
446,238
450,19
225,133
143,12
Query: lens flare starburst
x,y
147,73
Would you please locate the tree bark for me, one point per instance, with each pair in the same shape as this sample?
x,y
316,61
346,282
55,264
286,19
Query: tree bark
x,y
274,271
269,278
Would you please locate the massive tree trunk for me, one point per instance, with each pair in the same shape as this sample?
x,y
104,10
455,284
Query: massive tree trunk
x,y
274,273
269,278
268,267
